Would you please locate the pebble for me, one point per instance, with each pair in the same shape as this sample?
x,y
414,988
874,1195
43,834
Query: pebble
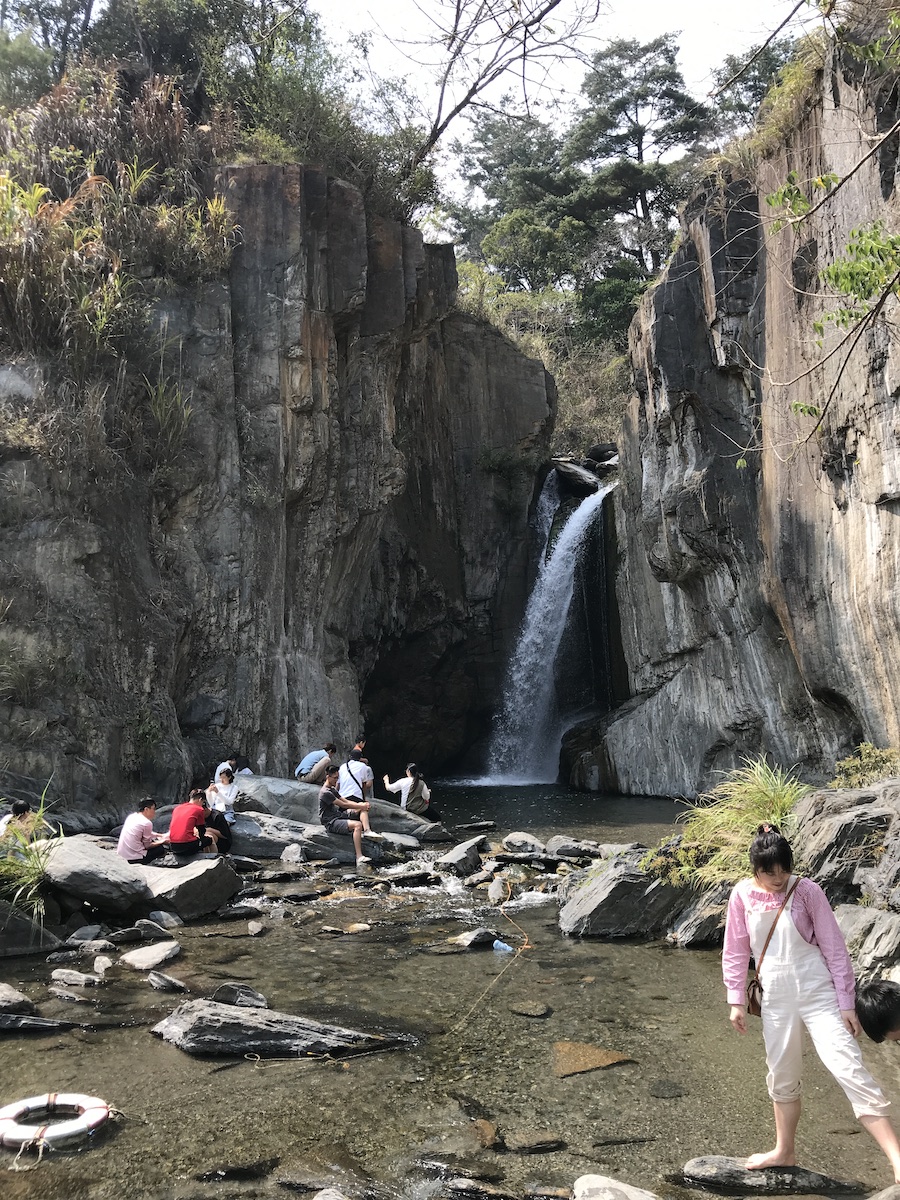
x,y
530,1008
255,928
102,964
575,1058
358,927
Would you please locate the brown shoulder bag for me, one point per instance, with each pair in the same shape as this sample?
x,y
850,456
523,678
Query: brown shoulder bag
x,y
755,987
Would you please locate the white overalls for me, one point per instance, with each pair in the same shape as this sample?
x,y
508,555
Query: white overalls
x,y
798,990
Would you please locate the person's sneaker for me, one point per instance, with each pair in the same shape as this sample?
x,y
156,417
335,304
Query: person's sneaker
x,y
362,860
374,837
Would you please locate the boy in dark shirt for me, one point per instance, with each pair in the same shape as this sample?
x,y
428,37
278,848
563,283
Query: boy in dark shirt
x,y
333,806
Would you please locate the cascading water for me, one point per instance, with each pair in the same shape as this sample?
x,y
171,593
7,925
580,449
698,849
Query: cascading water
x,y
528,730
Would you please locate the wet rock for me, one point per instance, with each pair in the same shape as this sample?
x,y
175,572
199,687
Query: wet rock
x,y
13,1001
255,928
286,876
464,858
474,939
544,1191
523,843
166,920
302,1181
666,1089
237,912
566,847
575,1058
617,899
64,956
161,982
87,933
329,1193
240,994
25,1023
478,878
358,927
121,937
702,923
146,958
414,876
197,888
603,1187
203,1027
532,1141
75,978
20,935
245,1172
530,1008
477,1188
730,1174
485,1133
61,993
244,865
98,946
102,964
474,826
308,891
152,931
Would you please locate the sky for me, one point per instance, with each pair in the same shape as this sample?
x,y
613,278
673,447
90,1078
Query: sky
x,y
710,29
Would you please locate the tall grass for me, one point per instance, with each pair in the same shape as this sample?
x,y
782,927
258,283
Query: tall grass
x,y
23,865
713,847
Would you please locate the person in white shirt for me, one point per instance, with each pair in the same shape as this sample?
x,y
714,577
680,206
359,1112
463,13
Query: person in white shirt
x,y
223,793
355,778
137,842
227,764
415,794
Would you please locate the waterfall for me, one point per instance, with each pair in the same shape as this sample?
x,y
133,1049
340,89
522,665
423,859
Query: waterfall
x,y
528,730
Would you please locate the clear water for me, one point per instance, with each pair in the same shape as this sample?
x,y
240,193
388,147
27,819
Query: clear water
x,y
693,1087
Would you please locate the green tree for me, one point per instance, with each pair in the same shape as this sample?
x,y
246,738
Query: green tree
x,y
742,82
26,70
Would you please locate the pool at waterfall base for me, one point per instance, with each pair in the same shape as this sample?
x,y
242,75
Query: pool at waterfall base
x,y
381,1124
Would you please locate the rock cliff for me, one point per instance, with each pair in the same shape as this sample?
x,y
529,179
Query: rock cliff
x,y
759,607
348,518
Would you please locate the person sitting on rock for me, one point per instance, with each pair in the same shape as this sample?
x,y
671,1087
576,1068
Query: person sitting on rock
x,y
223,793
355,778
188,833
878,1009
217,822
332,809
20,820
415,794
312,768
137,842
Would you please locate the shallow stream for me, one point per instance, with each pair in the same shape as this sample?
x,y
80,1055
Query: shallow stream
x,y
692,1086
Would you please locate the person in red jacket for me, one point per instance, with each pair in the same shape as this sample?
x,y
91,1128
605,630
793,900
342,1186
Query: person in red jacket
x,y
187,830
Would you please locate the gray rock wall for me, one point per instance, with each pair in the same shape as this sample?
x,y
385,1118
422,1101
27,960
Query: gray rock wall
x,y
759,607
337,519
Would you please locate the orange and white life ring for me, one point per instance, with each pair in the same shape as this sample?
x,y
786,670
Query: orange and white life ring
x,y
89,1114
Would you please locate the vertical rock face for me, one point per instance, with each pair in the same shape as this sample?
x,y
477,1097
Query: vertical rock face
x,y
759,607
349,513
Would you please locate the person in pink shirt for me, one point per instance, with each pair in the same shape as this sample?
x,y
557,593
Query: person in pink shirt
x,y
807,980
137,841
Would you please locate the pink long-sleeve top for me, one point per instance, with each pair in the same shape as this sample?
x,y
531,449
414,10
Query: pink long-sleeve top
x,y
814,921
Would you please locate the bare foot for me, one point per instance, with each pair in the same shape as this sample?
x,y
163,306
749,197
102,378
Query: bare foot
x,y
774,1158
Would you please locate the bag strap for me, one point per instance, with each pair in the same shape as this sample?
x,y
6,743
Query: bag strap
x,y
774,923
362,790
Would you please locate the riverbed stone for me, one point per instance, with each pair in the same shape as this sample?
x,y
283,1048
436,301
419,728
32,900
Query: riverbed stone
x,y
702,923
160,982
618,899
477,1188
533,1141
204,1027
147,958
464,858
604,1187
67,995
500,890
195,889
102,964
166,920
529,1008
75,978
240,994
19,934
523,843
577,1058
122,937
97,946
14,1001
87,933
474,938
151,931
731,1174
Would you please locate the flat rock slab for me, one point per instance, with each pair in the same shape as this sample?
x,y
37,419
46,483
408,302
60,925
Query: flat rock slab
x,y
730,1174
575,1058
530,1008
75,978
204,1027
603,1187
147,958
23,1023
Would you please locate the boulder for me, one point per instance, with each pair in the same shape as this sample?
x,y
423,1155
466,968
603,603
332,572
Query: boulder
x,y
87,933
19,934
463,859
617,899
731,1175
85,868
523,843
12,1001
194,890
841,838
567,847
872,936
204,1027
602,1187
702,923
147,958
578,481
